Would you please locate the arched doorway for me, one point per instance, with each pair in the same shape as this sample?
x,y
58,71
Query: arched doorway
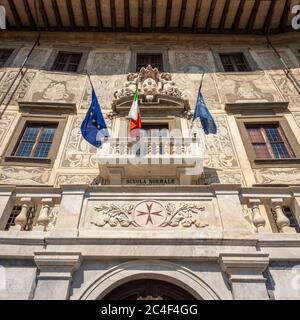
x,y
148,289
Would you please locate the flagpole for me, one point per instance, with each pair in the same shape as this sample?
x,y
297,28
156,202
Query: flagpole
x,y
200,87
89,77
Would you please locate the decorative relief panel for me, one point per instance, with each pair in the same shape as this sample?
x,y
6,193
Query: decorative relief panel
x,y
109,63
224,177
278,176
5,123
247,88
22,89
219,149
56,87
24,175
89,179
151,214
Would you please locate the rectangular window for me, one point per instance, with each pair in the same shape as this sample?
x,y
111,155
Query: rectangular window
x,y
146,59
11,220
234,62
4,56
268,141
36,140
67,61
290,215
158,133
15,212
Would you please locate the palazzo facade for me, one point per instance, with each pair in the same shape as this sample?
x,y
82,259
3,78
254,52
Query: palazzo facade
x,y
190,216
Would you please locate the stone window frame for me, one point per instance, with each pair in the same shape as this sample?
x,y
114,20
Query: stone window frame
x,y
153,50
10,159
16,49
289,135
254,67
82,67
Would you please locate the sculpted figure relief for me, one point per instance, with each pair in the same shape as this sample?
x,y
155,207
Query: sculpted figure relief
x,y
149,83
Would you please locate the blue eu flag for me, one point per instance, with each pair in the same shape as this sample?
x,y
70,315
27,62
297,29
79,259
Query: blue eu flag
x,y
93,126
202,112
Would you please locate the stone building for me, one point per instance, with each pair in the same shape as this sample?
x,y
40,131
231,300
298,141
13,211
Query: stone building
x,y
82,223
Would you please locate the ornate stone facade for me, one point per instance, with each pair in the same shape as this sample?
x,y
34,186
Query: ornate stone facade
x,y
221,234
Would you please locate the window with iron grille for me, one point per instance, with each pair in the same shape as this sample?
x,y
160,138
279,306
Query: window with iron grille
x,y
11,220
234,62
290,215
293,221
269,142
15,212
4,56
36,140
67,61
146,59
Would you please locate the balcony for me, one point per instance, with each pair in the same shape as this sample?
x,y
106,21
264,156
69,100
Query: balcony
x,y
129,161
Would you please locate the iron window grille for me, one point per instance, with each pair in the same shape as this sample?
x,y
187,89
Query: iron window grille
x,y
67,61
234,62
146,59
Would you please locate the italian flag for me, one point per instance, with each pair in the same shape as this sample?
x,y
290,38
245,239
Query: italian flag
x,y
134,114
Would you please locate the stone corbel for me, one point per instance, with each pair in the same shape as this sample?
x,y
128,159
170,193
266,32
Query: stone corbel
x,y
282,221
55,274
245,273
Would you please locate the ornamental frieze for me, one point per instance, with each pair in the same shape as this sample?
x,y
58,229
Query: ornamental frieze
x,y
149,214
278,176
24,176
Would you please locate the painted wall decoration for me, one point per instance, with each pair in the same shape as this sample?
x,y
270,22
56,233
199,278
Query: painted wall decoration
x,y
74,178
219,148
109,63
57,87
278,176
247,88
19,89
24,175
5,123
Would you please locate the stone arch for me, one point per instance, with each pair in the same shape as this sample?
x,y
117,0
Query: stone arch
x,y
147,269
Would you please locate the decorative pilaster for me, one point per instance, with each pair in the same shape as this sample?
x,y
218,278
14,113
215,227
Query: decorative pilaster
x,y
69,211
43,219
6,204
56,270
282,221
21,219
258,220
245,272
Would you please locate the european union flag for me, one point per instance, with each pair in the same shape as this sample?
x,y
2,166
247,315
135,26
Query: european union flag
x,y
94,123
202,112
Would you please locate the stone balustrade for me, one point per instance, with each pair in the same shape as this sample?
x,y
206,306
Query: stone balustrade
x,y
229,209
